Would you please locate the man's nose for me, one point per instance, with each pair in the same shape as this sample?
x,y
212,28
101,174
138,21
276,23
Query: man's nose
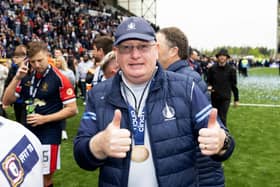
x,y
37,64
135,52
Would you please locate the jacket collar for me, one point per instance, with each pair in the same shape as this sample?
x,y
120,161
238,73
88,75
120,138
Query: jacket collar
x,y
179,64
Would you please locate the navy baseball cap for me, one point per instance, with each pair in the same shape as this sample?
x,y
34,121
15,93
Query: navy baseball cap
x,y
134,28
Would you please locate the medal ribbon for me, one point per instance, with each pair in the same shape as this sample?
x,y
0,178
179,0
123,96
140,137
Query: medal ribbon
x,y
138,125
137,118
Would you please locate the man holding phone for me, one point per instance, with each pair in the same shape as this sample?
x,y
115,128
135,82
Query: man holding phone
x,y
50,99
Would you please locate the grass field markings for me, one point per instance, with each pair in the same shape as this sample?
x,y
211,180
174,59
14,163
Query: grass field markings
x,y
258,105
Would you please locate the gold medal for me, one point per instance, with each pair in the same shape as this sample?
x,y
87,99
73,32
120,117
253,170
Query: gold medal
x,y
139,153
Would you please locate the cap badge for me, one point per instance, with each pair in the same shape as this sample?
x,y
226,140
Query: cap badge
x,y
131,26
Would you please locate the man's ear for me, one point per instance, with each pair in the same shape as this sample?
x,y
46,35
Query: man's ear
x,y
174,51
102,51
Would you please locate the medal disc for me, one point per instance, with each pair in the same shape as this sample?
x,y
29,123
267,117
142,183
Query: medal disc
x,y
139,153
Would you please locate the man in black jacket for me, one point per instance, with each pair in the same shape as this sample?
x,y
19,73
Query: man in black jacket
x,y
222,80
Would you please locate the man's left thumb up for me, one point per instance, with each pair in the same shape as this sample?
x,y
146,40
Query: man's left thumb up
x,y
212,121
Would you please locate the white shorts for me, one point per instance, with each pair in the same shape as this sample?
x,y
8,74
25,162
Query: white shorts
x,y
51,158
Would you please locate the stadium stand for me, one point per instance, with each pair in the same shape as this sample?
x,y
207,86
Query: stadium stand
x,y
69,25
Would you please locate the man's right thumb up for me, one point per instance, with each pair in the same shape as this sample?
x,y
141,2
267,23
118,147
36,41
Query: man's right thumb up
x,y
116,122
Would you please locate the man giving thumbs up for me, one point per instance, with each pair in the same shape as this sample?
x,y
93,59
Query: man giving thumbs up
x,y
211,139
142,127
113,141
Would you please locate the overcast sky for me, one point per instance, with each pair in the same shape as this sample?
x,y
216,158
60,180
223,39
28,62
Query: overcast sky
x,y
213,23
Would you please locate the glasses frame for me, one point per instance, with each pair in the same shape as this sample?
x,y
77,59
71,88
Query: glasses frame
x,y
142,48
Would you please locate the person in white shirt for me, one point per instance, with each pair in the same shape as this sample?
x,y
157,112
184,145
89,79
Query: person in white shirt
x,y
3,76
61,64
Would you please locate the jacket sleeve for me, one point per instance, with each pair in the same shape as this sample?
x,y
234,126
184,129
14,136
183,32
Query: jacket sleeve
x,y
228,152
201,109
88,128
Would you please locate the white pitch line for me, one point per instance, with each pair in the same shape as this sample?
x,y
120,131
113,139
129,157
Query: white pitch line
x,y
259,105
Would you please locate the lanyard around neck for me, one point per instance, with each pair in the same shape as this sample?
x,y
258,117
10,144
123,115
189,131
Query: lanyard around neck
x,y
136,106
33,89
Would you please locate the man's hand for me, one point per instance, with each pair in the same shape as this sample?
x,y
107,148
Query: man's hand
x,y
211,139
35,119
113,141
9,94
22,70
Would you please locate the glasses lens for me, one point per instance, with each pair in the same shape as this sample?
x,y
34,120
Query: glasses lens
x,y
143,48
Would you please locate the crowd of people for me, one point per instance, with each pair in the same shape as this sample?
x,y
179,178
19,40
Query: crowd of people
x,y
150,96
71,25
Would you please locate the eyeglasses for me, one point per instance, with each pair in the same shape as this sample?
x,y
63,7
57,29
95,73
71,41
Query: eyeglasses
x,y
142,48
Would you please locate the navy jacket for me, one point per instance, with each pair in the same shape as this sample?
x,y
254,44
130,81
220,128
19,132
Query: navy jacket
x,y
182,67
210,172
173,139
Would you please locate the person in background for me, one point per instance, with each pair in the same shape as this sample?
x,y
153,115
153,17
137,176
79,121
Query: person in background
x,y
57,53
3,76
243,67
83,67
17,59
61,64
173,45
204,63
109,66
101,46
141,127
49,98
193,60
74,68
173,55
20,156
222,80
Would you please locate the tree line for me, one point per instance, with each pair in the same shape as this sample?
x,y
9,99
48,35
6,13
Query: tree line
x,y
257,52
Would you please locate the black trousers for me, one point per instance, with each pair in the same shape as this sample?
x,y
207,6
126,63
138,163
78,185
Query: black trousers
x,y
19,109
82,86
222,106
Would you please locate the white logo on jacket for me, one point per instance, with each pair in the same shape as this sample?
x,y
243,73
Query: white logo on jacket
x,y
168,112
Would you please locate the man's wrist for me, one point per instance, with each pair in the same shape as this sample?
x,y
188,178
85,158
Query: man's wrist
x,y
227,142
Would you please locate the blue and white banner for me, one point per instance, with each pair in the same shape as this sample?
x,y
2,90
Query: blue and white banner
x,y
19,162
